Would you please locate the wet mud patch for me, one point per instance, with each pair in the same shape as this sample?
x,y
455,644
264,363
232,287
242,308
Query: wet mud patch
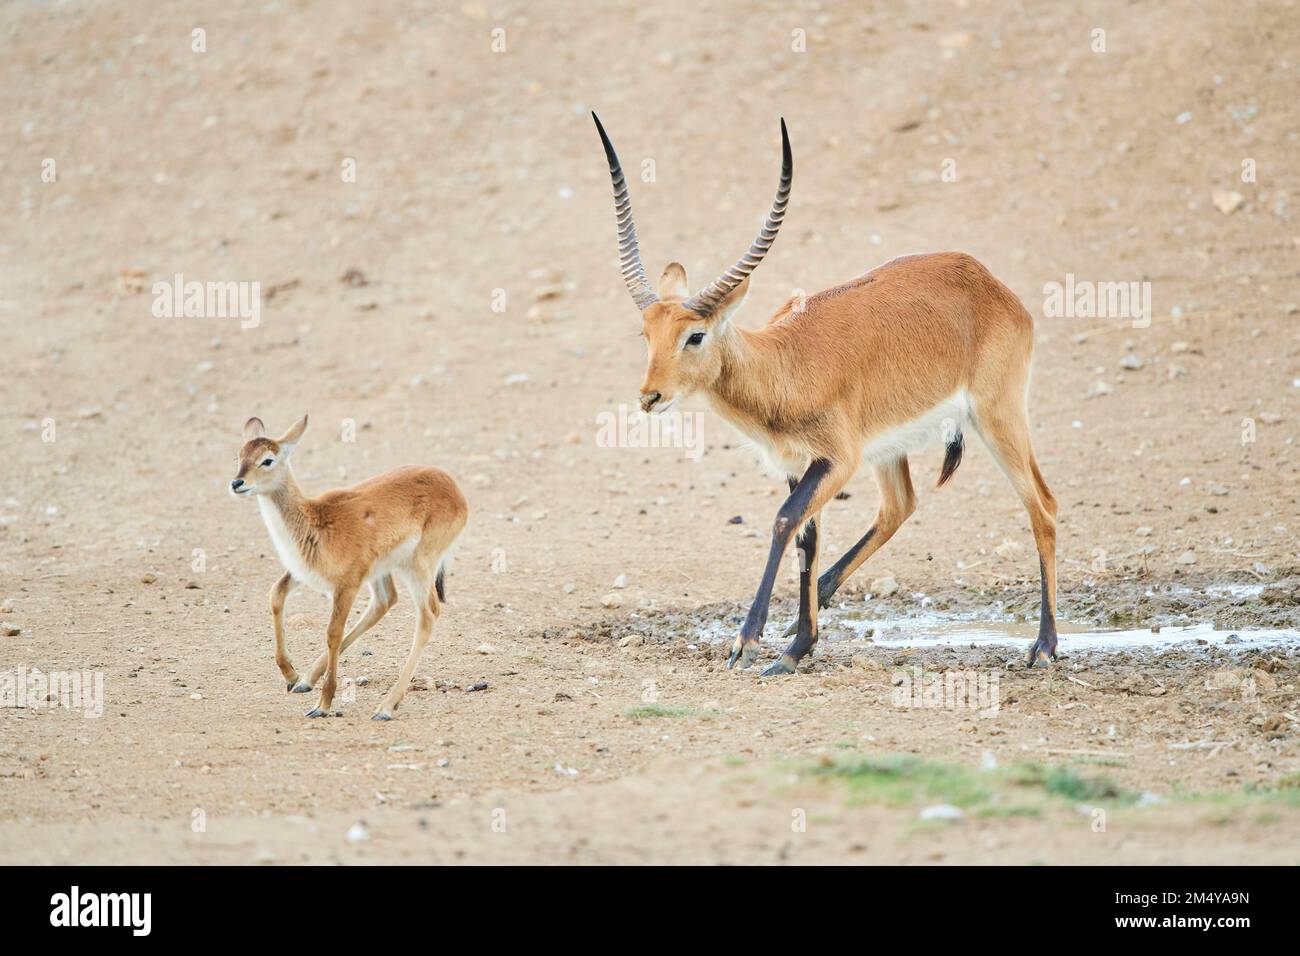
x,y
1213,672
1236,621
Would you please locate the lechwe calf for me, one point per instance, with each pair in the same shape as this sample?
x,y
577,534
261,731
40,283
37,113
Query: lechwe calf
x,y
400,524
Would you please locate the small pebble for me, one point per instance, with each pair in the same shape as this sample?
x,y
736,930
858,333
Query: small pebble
x,y
941,811
884,587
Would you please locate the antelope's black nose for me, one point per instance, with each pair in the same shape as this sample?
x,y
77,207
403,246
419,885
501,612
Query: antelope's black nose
x,y
649,400
237,484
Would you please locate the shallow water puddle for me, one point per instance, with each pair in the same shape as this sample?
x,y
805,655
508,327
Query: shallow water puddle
x,y
929,629
937,631
1223,590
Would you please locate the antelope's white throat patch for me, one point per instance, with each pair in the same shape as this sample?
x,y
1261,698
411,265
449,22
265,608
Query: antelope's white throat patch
x,y
286,548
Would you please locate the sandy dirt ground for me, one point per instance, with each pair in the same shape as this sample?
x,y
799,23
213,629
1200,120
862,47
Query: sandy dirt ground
x,y
425,206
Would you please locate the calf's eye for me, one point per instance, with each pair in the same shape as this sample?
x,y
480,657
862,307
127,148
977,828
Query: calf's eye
x,y
695,338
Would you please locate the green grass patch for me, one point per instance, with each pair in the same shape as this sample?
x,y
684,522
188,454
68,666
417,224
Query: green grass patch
x,y
1103,761
658,710
1028,789
1008,811
898,779
1069,783
1024,790
1284,792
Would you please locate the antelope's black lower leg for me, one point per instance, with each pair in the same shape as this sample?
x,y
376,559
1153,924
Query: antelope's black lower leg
x,y
839,572
805,637
897,502
805,499
1044,649
830,580
1002,425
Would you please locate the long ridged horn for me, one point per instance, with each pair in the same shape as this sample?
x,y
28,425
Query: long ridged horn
x,y
706,300
629,253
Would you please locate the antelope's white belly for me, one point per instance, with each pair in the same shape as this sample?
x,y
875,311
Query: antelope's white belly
x,y
786,456
286,548
940,423
399,557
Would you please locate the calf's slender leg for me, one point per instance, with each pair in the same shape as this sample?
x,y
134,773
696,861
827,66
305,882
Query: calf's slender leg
x,y
344,595
279,594
427,611
382,598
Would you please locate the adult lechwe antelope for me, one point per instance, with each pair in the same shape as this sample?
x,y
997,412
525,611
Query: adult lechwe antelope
x,y
866,371
400,524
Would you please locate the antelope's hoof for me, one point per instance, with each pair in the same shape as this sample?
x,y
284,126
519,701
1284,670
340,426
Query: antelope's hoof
x,y
1041,653
382,715
299,687
785,664
743,652
317,712
290,685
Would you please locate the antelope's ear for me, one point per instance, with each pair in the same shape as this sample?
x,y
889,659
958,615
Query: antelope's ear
x,y
728,306
253,428
290,438
672,284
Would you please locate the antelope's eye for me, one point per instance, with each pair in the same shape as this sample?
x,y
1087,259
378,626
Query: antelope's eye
x,y
695,338
268,462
